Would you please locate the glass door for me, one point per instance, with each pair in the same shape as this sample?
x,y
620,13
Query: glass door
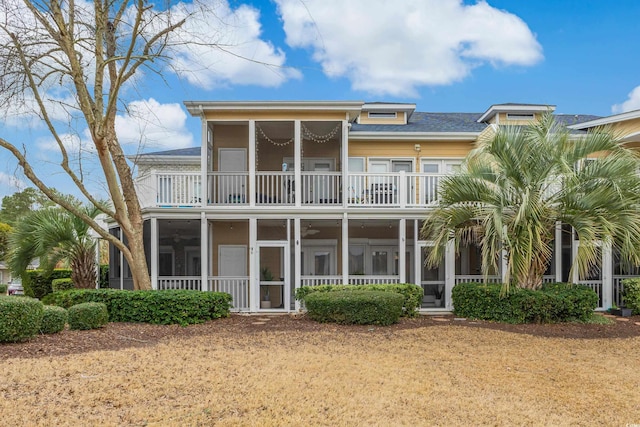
x,y
432,280
273,287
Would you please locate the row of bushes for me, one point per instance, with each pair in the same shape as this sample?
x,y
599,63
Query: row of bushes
x,y
556,302
22,318
166,307
631,294
412,294
37,283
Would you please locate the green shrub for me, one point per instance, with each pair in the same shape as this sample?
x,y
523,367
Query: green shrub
x,y
88,315
412,293
53,320
158,307
3,288
556,302
37,283
62,284
355,307
631,294
20,318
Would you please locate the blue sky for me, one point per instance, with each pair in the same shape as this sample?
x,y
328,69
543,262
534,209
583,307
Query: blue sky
x,y
443,55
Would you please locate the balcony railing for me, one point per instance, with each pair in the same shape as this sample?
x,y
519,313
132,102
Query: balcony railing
x,y
275,188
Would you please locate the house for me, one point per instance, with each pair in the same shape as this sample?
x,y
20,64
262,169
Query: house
x,y
285,194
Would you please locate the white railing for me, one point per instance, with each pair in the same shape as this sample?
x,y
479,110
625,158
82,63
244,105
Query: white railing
x,y
228,188
321,188
320,280
475,278
373,280
237,287
275,188
549,279
179,282
595,286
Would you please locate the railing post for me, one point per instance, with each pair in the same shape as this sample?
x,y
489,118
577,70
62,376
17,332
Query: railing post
x,y
402,192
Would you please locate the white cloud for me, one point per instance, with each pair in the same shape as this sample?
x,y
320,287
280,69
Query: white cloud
x,y
632,102
387,48
218,46
11,182
151,124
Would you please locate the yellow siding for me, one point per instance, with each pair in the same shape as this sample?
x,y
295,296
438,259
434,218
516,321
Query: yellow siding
x,y
399,120
406,149
627,127
275,115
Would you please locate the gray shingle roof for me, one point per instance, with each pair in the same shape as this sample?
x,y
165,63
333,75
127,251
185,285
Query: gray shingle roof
x,y
191,151
429,122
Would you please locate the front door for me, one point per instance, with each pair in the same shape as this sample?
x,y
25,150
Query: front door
x,y
432,280
273,285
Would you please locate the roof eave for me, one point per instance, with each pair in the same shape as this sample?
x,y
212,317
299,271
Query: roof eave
x,y
629,115
495,109
406,136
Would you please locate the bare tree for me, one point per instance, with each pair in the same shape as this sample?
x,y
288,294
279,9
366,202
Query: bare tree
x,y
76,57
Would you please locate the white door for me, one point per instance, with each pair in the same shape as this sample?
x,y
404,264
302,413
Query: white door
x,y
405,166
432,280
232,186
273,266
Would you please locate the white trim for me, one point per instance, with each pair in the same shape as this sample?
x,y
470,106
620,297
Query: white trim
x,y
520,116
507,108
629,115
382,114
411,136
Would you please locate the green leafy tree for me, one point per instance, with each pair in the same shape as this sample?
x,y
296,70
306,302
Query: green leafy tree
x,y
5,230
517,185
54,235
18,204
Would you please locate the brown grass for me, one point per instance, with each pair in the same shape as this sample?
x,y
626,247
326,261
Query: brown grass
x,y
425,376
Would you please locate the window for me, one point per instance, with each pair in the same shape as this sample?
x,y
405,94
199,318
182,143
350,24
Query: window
x,y
382,115
517,116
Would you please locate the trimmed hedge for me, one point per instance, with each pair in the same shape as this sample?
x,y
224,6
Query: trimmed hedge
x,y
631,294
20,318
3,288
62,284
355,307
53,320
555,302
166,307
88,315
412,294
36,284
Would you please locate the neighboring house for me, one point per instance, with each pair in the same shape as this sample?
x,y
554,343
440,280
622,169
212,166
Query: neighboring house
x,y
5,274
285,194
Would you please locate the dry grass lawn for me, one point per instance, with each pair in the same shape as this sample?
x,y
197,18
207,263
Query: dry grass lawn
x,y
445,375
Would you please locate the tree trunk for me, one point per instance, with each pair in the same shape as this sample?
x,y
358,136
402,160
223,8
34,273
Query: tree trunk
x,y
83,270
136,257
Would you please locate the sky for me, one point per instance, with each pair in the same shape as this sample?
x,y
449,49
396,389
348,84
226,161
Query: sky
x,y
442,55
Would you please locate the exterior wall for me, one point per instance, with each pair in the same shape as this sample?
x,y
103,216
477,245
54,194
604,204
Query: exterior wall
x,y
400,119
146,169
627,127
406,149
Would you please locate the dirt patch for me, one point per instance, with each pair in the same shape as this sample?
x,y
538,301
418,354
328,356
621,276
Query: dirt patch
x,y
117,336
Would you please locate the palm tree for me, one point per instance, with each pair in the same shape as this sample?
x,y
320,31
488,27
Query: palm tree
x,y
517,185
54,235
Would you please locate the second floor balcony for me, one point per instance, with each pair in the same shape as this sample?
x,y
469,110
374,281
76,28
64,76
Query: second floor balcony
x,y
280,189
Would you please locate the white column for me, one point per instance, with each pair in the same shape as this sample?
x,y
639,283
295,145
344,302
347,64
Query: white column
x,y
345,162
297,257
607,275
297,161
122,261
204,253
417,254
345,249
154,253
252,163
503,260
449,272
204,186
558,251
402,189
254,269
402,250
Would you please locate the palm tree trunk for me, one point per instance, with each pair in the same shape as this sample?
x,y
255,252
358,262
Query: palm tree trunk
x,y
83,270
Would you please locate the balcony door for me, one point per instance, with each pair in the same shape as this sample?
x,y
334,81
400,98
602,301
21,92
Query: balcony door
x,y
231,186
433,170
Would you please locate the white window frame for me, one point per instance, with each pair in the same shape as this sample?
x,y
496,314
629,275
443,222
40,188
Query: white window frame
x,y
520,116
382,115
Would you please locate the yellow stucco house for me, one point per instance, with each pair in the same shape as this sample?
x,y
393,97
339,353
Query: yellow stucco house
x,y
293,193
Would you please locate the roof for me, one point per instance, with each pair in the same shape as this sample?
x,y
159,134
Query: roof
x,y
429,122
574,119
600,121
190,151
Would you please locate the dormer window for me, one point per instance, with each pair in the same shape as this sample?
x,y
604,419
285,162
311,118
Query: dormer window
x,y
519,116
382,115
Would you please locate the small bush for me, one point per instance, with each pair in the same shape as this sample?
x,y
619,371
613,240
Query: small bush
x,y
88,315
158,307
355,307
37,283
53,320
631,294
412,293
20,318
62,284
557,302
3,288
